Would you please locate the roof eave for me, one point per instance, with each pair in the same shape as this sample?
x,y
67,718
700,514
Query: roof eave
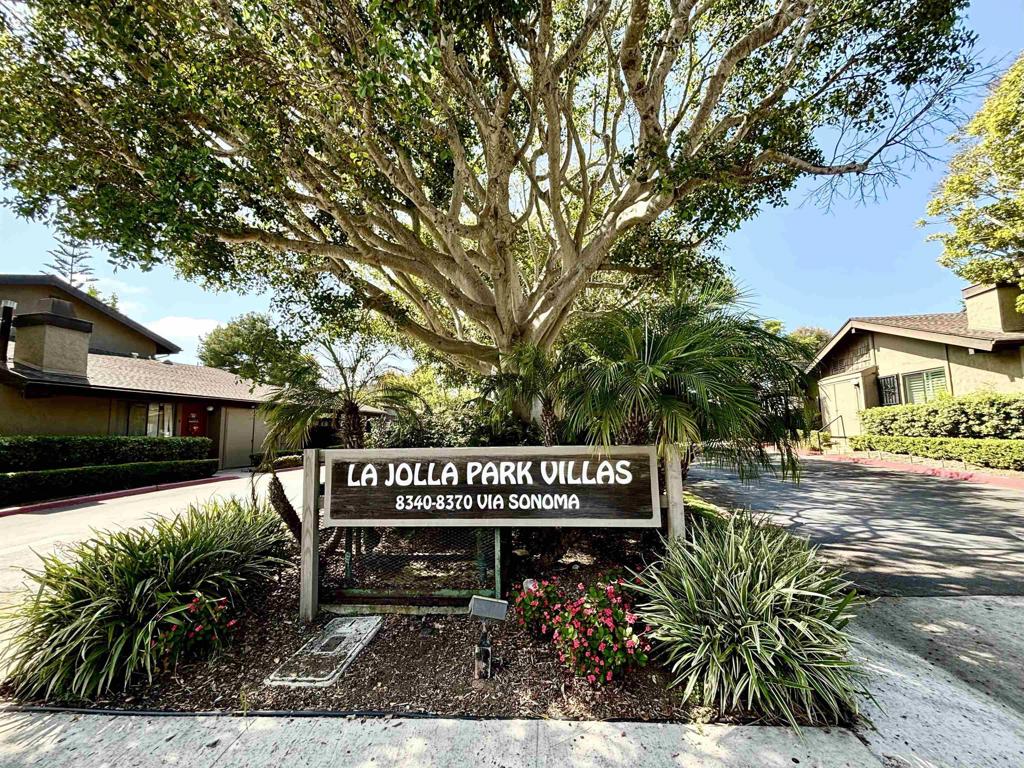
x,y
164,346
958,340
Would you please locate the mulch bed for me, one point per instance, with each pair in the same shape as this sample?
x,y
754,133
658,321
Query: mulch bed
x,y
413,665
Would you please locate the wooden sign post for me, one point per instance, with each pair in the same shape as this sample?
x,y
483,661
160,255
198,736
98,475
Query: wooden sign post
x,y
565,486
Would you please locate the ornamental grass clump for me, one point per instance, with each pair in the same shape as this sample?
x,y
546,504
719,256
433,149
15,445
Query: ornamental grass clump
x,y
126,604
753,624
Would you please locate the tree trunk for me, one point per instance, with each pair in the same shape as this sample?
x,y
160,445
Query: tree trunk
x,y
280,504
548,424
351,425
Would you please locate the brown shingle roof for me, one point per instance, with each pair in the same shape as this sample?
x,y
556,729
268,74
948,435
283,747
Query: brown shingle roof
x,y
157,377
953,323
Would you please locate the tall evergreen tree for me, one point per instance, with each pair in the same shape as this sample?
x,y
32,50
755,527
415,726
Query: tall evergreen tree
x,y
70,262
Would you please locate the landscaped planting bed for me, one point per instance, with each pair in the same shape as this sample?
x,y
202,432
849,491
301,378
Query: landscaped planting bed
x,y
576,646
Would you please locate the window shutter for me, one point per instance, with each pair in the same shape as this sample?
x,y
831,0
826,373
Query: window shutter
x,y
935,383
915,388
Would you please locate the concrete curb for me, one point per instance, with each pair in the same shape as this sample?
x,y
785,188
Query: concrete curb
x,y
76,500
947,474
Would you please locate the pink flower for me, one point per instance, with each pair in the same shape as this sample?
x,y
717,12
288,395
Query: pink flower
x,y
199,628
608,676
579,586
591,679
543,629
600,646
232,622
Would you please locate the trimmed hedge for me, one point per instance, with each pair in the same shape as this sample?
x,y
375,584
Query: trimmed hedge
x,y
281,460
982,415
35,452
23,487
998,454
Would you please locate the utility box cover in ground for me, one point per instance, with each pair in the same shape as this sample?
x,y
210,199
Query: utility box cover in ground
x,y
324,659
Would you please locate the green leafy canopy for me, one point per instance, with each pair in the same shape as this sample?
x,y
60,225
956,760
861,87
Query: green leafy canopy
x,y
463,169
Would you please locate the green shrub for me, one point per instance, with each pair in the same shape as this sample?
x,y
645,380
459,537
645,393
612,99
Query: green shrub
x,y
463,426
980,415
281,460
34,452
535,608
750,621
23,487
998,454
815,439
123,605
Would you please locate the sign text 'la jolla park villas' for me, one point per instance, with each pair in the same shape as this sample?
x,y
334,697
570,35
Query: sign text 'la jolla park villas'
x,y
565,485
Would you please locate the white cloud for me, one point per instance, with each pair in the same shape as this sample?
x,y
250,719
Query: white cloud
x,y
108,285
185,332
173,325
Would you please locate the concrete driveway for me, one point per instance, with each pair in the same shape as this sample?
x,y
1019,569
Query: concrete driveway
x,y
943,648
896,533
23,536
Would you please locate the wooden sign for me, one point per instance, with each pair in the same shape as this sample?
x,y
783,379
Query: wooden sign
x,y
577,486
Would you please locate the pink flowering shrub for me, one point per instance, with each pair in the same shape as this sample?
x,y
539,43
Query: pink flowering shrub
x,y
193,629
593,628
597,634
536,608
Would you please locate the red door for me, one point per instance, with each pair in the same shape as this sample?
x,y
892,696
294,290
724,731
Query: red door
x,y
193,420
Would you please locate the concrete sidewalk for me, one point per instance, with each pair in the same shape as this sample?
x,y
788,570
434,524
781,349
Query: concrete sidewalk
x,y
99,741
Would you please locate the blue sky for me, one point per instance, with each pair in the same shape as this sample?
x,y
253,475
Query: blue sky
x,y
801,264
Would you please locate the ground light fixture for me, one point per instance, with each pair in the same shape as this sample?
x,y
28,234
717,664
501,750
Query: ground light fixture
x,y
486,609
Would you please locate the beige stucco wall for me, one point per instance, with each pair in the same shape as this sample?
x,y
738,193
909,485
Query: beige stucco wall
x,y
898,354
108,335
1001,371
65,415
241,433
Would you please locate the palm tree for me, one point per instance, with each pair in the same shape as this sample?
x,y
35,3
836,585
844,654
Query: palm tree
x,y
698,371
350,380
531,376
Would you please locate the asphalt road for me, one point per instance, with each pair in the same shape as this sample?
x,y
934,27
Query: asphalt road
x,y
896,533
24,537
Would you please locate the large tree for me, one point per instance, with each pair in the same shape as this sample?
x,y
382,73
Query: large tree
x,y
982,196
464,169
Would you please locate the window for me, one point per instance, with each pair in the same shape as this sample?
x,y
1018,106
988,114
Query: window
x,y
152,419
924,386
889,390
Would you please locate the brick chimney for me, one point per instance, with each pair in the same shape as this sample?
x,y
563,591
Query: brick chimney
x,y
50,338
993,308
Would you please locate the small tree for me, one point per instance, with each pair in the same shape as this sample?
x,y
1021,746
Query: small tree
x,y
253,347
71,263
698,372
353,361
982,196
534,378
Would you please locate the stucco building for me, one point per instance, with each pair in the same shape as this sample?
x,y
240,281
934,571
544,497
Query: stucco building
x,y
876,361
72,365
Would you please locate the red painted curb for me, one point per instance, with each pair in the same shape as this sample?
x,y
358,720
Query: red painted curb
x,y
76,500
948,474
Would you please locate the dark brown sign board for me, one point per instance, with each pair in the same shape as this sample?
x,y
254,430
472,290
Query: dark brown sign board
x,y
574,486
